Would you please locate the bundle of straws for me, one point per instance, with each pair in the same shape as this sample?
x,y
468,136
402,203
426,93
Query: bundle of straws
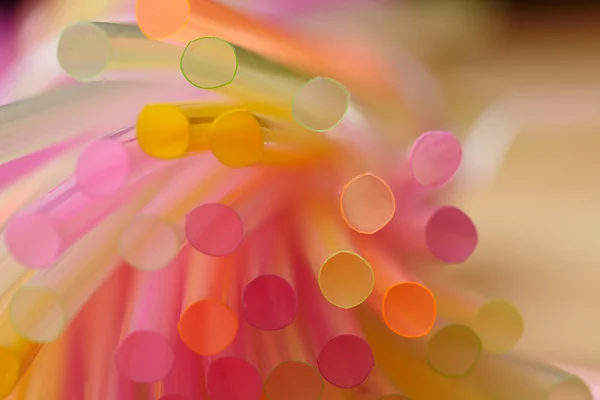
x,y
211,212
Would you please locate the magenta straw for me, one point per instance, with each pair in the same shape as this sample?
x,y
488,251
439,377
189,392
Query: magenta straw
x,y
109,164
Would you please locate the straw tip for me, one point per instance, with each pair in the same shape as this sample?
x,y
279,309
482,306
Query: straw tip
x,y
34,240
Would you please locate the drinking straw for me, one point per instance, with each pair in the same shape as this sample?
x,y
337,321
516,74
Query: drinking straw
x,y
184,382
512,376
212,63
156,235
442,233
98,50
344,356
147,349
269,300
16,352
453,350
407,368
344,276
367,203
107,165
407,307
209,322
233,374
497,321
38,236
218,226
41,309
67,111
183,21
288,365
376,387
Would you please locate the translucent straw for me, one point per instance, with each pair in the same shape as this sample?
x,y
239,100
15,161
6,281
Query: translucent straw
x,y
453,350
407,307
345,277
155,237
218,226
209,323
497,321
182,383
376,387
146,352
109,164
41,309
99,50
71,110
269,299
39,236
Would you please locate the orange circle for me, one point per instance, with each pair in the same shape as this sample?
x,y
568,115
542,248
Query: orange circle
x,y
409,309
207,327
159,19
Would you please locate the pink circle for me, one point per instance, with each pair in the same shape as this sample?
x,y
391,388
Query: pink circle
x,y
232,378
346,361
103,168
145,357
34,240
434,158
450,235
269,302
214,229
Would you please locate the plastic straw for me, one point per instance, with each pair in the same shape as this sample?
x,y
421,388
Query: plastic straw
x,y
344,356
146,352
218,226
154,238
407,307
497,321
99,50
182,383
41,309
71,110
233,374
442,233
345,278
269,300
453,350
376,387
109,164
209,323
434,158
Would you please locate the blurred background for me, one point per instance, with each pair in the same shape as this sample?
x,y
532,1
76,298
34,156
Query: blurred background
x,y
519,82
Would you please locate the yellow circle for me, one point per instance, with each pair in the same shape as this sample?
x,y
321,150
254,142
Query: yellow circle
x,y
346,279
236,139
163,131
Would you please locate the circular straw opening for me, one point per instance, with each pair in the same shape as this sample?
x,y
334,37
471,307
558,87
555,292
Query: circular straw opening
x,y
145,357
163,131
450,235
207,327
367,203
435,158
158,19
269,302
103,168
37,314
34,240
10,368
214,229
209,63
500,325
571,388
346,279
454,350
320,104
236,139
346,361
233,378
83,51
149,243
409,309
293,380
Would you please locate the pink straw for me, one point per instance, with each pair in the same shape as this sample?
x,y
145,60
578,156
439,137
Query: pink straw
x,y
182,382
444,233
269,301
107,165
345,358
146,352
434,158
